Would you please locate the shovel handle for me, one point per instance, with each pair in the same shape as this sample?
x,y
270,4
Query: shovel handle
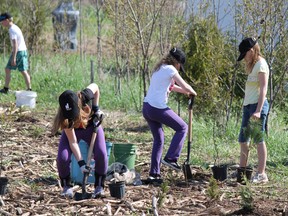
x,y
190,105
91,147
89,157
85,177
191,102
189,134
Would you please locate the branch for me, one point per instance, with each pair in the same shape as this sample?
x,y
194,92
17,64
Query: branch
x,y
154,205
4,212
109,212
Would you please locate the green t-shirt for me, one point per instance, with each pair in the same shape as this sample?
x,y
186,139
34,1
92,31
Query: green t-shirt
x,y
252,86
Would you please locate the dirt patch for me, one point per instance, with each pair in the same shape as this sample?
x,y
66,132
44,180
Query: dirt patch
x,y
29,152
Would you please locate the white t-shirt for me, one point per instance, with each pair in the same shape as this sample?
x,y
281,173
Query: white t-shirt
x,y
157,95
252,86
15,33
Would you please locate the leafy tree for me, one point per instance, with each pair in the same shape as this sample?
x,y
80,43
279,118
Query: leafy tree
x,y
209,64
35,14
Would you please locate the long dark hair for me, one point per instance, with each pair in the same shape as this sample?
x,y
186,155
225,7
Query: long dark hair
x,y
168,59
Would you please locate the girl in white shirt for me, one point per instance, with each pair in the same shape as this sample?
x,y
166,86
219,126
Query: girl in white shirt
x,y
165,79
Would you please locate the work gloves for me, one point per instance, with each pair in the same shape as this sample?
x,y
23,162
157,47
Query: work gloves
x,y
98,114
84,168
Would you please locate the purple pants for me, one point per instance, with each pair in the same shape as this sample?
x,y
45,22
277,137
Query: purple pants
x,y
99,151
156,118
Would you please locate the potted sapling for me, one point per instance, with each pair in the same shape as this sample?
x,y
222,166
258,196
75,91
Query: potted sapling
x,y
219,170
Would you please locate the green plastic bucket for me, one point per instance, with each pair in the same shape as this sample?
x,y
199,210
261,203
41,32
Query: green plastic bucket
x,y
123,153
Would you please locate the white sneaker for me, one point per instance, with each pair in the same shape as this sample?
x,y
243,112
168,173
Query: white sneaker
x,y
259,178
67,192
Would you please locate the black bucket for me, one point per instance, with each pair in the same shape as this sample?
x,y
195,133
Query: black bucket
x,y
220,172
244,172
3,185
117,189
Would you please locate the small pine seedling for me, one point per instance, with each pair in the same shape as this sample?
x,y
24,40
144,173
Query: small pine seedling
x,y
213,189
162,193
247,197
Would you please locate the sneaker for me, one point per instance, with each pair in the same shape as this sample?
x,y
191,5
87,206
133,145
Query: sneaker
x,y
154,176
171,164
4,91
67,192
98,192
154,179
260,178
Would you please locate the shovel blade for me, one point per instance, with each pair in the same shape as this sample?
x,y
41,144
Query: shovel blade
x,y
82,196
187,171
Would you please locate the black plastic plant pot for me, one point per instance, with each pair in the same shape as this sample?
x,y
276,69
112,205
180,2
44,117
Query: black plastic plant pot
x,y
117,189
3,185
242,173
220,172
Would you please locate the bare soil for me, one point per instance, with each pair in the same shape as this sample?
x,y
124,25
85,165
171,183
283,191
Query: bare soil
x,y
29,154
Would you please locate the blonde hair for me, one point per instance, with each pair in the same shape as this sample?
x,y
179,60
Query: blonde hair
x,y
60,122
168,59
254,59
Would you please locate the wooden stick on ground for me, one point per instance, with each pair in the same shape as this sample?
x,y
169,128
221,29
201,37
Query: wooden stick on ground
x,y
154,205
4,212
109,211
130,206
1,201
116,213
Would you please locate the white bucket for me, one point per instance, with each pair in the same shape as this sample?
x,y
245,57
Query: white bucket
x,y
26,98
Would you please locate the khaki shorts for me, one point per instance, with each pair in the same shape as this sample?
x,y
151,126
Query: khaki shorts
x,y
21,61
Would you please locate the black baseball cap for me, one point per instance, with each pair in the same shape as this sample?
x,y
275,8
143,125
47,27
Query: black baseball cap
x,y
4,16
179,55
245,45
68,102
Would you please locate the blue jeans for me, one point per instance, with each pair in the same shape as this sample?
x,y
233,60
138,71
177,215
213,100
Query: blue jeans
x,y
248,111
156,118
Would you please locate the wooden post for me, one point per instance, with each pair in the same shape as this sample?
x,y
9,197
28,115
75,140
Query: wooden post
x,y
92,72
80,23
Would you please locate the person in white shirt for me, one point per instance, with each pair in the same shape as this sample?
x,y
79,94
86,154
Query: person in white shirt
x,y
165,78
255,106
19,56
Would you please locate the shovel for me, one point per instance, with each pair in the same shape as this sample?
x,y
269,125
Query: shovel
x,y
84,194
186,166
